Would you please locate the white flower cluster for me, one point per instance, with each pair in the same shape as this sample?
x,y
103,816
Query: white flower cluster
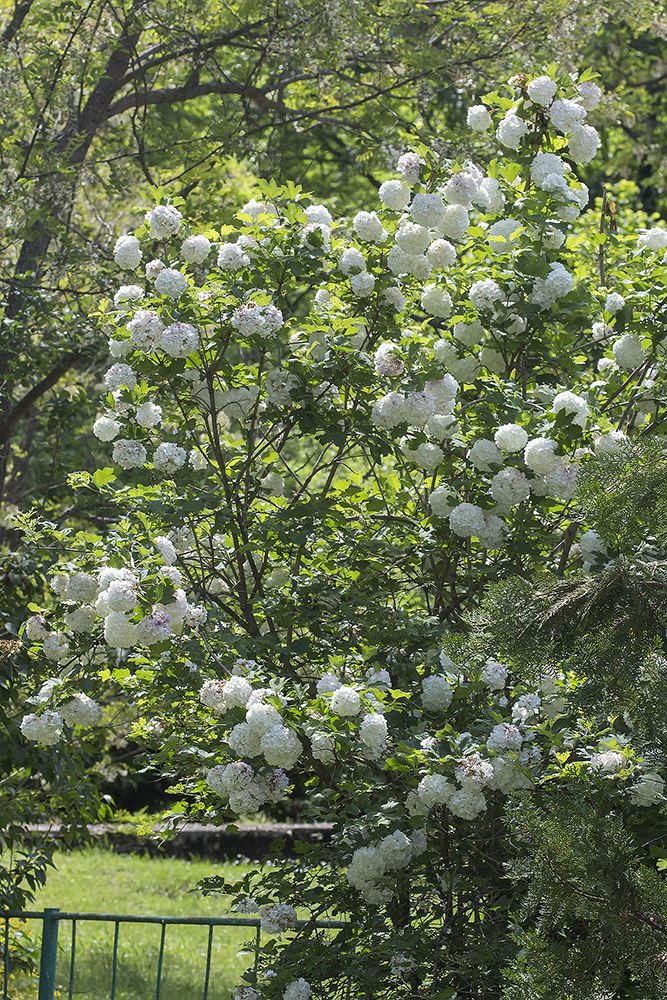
x,y
278,918
253,320
220,696
246,789
369,865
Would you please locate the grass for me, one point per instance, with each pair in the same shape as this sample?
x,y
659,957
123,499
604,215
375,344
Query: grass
x,y
102,882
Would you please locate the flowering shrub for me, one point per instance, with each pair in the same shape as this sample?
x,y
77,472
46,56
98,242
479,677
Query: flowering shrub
x,y
326,438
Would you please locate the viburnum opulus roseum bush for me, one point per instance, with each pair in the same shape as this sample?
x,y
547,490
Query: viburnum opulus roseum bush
x,y
325,439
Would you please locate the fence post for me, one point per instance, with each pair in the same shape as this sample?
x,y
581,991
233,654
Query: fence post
x,y
47,962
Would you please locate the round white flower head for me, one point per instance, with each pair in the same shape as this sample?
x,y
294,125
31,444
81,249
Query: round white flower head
x,y
478,118
166,549
127,252
82,588
473,770
119,631
468,334
413,239
195,249
120,375
389,411
461,189
610,443
614,303
539,455
542,90
653,239
394,195
602,331
441,254
171,283
436,301
56,647
436,693
427,210
386,362
278,918
35,628
345,701
145,329
149,414
251,319
45,729
484,293
80,711
164,220
569,402
628,351
168,457
484,454
106,428
503,738
565,115
546,165
428,456
583,144
442,501
559,282
319,215
511,130
509,487
128,293
409,166
244,993
298,990
590,94
352,262
179,340
503,236
495,674
393,298
120,348
153,268
232,257
592,547
362,284
511,438
129,454
327,684
418,407
467,520
492,195
255,208
373,734
455,222
607,761
368,227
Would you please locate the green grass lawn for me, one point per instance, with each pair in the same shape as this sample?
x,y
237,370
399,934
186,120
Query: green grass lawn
x,y
102,882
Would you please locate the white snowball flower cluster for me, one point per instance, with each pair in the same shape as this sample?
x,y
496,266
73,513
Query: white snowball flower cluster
x,y
56,647
373,734
607,761
352,262
542,90
145,328
540,457
569,402
149,414
653,239
129,454
590,94
478,118
128,293
195,249
232,257
428,210
164,221
484,454
525,707
546,291
442,500
80,711
252,319
455,221
46,728
369,866
484,294
106,428
436,301
566,114
466,520
409,166
246,789
81,588
298,990
511,438
120,375
509,487
278,918
628,351
263,732
546,166
168,457
461,189
395,195
495,675
504,737
171,282
386,360
436,693
127,252
511,130
592,547
614,303
345,701
368,227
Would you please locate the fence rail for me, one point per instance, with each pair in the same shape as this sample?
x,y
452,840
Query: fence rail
x,y
52,918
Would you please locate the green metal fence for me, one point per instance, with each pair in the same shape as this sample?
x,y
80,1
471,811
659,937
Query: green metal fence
x,y
52,918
